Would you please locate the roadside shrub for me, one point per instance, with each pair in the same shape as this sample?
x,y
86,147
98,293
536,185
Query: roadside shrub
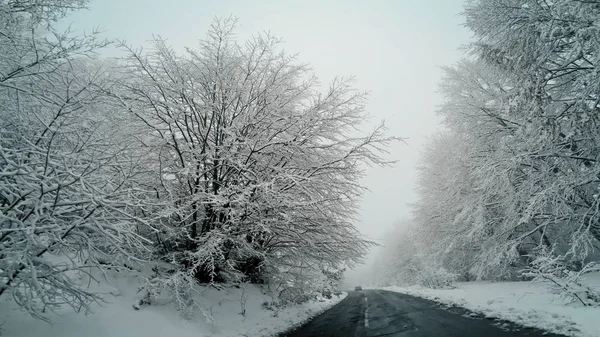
x,y
292,295
436,278
566,278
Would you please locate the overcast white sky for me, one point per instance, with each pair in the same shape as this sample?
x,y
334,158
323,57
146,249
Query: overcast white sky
x,y
393,47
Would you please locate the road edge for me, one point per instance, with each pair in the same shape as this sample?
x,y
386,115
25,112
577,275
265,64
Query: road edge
x,y
299,325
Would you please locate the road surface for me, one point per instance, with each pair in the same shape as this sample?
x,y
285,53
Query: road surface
x,y
371,313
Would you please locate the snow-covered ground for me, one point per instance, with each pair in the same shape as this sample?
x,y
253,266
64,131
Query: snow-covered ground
x,y
529,304
117,318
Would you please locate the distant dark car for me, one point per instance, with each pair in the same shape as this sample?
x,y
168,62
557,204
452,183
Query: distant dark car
x,y
357,288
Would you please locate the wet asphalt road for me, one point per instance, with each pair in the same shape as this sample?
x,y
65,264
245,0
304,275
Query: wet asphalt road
x,y
371,313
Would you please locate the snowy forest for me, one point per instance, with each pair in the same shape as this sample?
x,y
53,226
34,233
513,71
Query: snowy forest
x,y
509,188
231,163
227,163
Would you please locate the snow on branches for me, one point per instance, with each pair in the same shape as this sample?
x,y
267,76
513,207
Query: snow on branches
x,y
259,169
227,163
65,192
512,183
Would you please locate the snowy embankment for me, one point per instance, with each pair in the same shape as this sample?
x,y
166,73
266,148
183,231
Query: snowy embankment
x,y
525,303
229,312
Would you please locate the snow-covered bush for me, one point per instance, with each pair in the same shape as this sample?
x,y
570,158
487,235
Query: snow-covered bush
x,y
565,277
293,295
435,278
178,288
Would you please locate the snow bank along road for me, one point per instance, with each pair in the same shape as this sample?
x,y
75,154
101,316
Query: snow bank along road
x,y
372,313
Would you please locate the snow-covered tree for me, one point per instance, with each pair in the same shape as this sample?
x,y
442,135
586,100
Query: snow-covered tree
x,y
545,53
512,183
551,50
258,171
64,175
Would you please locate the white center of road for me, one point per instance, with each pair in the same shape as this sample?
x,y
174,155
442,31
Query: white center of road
x,y
366,312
